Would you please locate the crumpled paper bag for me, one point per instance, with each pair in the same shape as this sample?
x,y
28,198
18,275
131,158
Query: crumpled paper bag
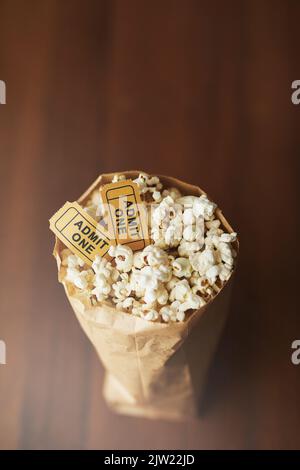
x,y
154,370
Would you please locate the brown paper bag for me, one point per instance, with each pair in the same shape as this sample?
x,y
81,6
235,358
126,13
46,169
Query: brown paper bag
x,y
154,370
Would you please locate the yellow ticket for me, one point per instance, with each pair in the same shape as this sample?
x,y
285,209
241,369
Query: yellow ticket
x,y
126,214
80,232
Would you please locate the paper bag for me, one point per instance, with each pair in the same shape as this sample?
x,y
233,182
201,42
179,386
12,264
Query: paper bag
x,y
154,370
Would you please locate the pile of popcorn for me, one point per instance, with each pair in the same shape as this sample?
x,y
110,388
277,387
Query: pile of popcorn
x,y
186,265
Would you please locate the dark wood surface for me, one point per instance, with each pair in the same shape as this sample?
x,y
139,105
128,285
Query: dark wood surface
x,y
198,90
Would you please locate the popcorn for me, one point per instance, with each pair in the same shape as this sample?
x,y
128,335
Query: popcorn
x,y
199,231
180,291
203,260
212,274
102,287
189,233
151,315
173,233
213,224
198,283
194,226
142,181
228,237
149,184
225,253
176,311
123,256
158,237
182,267
152,180
150,296
202,206
192,302
162,295
143,278
70,260
145,283
174,193
74,274
148,313
188,217
187,201
189,259
171,314
155,256
213,236
180,315
163,272
127,304
172,283
202,286
78,278
105,275
188,248
173,208
102,266
166,211
212,241
224,272
186,299
157,196
138,260
122,288
117,178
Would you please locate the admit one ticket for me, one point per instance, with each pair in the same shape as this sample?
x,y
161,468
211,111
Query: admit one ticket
x,y
80,232
126,214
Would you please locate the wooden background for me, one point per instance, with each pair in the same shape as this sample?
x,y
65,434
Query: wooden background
x,y
199,90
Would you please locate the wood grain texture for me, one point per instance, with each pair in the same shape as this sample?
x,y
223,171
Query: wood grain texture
x,y
196,89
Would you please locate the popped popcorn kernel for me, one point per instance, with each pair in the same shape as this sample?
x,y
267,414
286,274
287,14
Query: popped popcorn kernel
x,y
203,260
117,178
174,193
202,206
123,257
102,287
180,291
182,267
78,278
188,248
121,290
72,261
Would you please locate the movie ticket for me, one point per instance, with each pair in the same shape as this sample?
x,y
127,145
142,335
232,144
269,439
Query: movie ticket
x,y
126,214
80,232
